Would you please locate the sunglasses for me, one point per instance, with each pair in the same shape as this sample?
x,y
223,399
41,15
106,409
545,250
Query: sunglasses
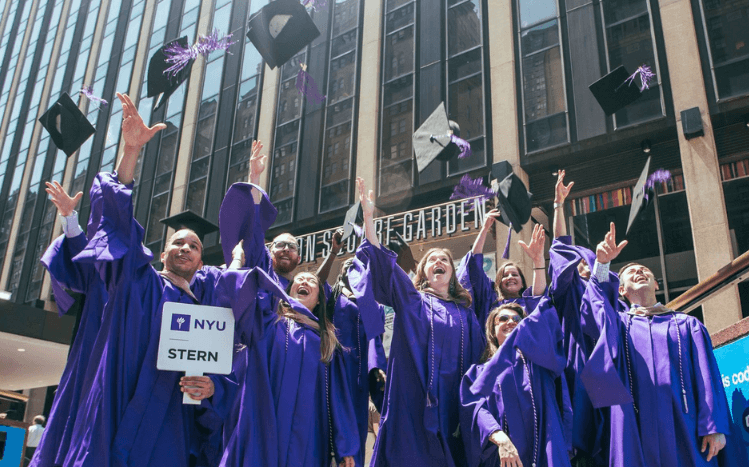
x,y
290,245
505,318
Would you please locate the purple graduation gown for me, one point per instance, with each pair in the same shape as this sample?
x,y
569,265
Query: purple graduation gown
x,y
521,385
132,414
434,343
676,385
81,278
472,277
284,418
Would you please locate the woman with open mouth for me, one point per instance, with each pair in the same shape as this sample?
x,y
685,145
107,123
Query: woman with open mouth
x,y
436,338
510,414
509,284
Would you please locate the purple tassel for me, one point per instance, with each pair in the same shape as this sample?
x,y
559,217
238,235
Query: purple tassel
x,y
180,57
314,5
307,86
506,253
646,74
465,146
470,188
88,91
659,176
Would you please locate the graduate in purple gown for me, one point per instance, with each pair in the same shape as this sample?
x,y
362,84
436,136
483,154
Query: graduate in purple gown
x,y
657,368
515,409
436,338
82,279
132,414
292,412
509,285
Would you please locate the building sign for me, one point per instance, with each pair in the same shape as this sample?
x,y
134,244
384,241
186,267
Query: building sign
x,y
443,220
733,362
196,339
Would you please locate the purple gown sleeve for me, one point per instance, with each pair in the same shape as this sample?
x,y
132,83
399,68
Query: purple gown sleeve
x,y
345,431
64,273
238,222
376,361
563,260
713,415
116,249
372,315
602,375
477,422
471,276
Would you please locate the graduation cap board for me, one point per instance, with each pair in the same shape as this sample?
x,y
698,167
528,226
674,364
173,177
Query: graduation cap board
x,y
281,29
615,90
639,202
192,221
354,217
66,125
515,202
432,139
162,85
405,256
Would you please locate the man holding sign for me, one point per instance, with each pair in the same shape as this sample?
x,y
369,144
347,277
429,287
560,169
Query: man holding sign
x,y
133,413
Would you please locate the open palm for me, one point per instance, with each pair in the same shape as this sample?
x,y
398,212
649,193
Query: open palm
x,y
135,132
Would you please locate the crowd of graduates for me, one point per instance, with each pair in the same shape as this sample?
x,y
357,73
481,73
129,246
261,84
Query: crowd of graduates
x,y
588,370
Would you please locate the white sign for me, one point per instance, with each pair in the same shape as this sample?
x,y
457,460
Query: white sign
x,y
196,339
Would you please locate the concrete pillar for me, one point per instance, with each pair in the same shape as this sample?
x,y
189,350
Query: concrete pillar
x,y
370,89
699,159
266,127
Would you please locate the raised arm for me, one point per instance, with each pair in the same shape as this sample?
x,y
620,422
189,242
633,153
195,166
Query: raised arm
x,y
323,272
535,250
367,204
257,166
489,219
560,194
135,133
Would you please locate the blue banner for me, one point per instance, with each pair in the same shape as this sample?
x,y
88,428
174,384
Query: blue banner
x,y
733,361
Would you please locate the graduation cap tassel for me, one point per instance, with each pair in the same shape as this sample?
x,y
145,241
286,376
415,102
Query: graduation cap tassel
x,y
646,74
506,253
88,91
659,176
307,86
470,188
180,56
465,146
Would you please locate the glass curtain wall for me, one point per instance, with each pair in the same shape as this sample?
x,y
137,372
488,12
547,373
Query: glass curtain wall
x,y
727,35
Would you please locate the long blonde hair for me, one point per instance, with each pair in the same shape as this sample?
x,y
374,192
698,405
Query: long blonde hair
x,y
492,344
456,291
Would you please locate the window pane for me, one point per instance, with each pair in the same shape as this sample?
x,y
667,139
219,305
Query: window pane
x,y
464,65
618,10
546,132
167,153
466,104
342,77
540,37
399,18
398,90
399,53
395,178
212,80
733,79
393,4
334,196
477,159
196,196
728,37
534,11
463,27
543,89
289,102
244,123
345,16
340,113
344,43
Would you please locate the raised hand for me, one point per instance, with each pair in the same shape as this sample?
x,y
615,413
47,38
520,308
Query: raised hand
x,y
560,191
367,202
60,198
608,250
135,132
535,249
491,217
257,162
335,242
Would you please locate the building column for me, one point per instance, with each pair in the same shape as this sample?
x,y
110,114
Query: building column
x,y
504,110
368,125
699,160
266,126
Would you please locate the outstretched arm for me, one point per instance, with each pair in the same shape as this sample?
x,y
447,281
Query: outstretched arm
x,y
535,250
560,194
367,204
135,133
66,207
257,166
323,271
478,244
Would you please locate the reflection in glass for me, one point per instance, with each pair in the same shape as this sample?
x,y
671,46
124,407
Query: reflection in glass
x,y
543,90
546,132
466,100
464,25
728,38
342,77
540,37
464,65
535,11
345,16
399,53
289,102
618,10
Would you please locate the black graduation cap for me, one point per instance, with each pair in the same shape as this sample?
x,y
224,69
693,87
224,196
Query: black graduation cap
x,y
354,216
514,200
67,125
281,29
161,85
639,203
405,256
192,221
432,139
613,93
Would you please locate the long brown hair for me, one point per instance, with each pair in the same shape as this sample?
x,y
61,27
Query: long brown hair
x,y
492,344
324,326
456,291
501,274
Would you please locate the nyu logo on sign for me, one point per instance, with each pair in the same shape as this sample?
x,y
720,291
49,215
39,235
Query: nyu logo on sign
x,y
180,322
